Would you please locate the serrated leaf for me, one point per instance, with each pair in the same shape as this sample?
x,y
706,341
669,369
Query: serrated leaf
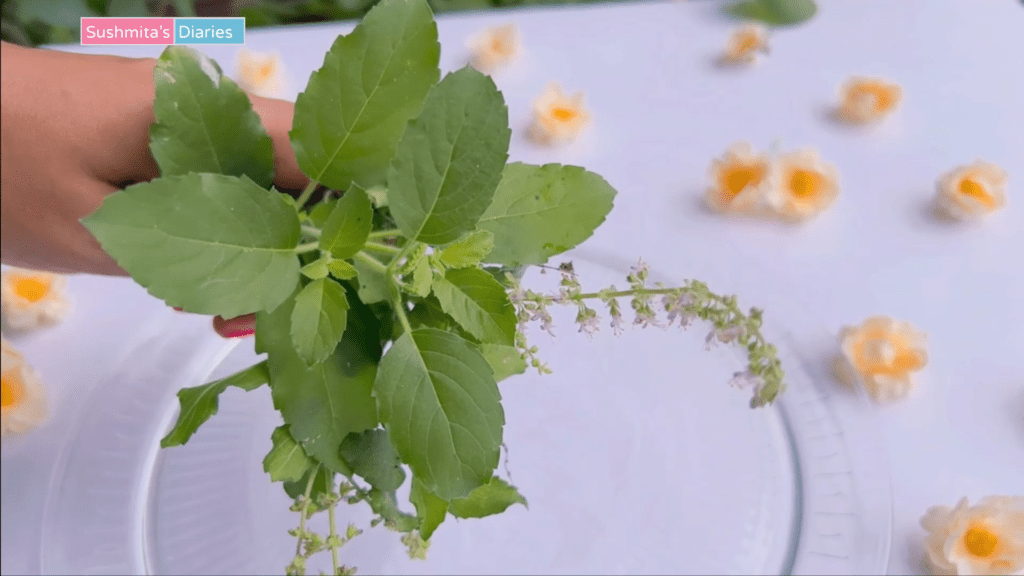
x,y
319,214
468,250
441,407
422,276
430,510
315,270
206,243
478,303
371,456
378,195
540,211
205,122
354,109
385,505
199,403
342,270
449,160
286,461
323,483
775,12
373,283
504,360
344,234
324,403
492,498
318,320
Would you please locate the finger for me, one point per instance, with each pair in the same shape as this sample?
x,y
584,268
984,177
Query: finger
x,y
277,118
239,327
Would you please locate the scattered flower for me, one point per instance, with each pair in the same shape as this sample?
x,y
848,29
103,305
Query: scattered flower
x,y
737,180
261,74
866,100
22,397
987,538
803,185
745,43
972,191
494,48
558,118
882,353
33,299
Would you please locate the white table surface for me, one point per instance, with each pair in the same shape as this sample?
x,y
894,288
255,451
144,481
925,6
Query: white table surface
x,y
661,110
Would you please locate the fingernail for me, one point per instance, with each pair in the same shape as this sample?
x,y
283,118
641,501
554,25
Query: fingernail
x,y
240,333
178,309
239,327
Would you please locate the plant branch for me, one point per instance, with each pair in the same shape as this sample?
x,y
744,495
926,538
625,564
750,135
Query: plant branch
x,y
385,234
311,231
307,247
382,248
306,193
371,262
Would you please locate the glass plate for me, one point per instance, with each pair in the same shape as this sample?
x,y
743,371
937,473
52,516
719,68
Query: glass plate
x,y
635,455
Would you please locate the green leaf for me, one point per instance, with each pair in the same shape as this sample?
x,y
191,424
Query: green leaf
x,y
421,277
378,195
319,214
323,483
492,498
441,406
478,303
373,283
342,270
430,510
205,122
469,250
540,211
286,461
352,113
207,243
324,403
316,270
318,320
64,13
385,505
371,456
504,360
344,234
775,12
449,161
127,9
199,403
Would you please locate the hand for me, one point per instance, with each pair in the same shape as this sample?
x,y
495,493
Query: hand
x,y
75,127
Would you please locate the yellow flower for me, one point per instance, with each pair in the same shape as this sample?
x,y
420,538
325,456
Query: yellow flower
x,y
987,538
22,397
864,100
261,74
882,353
802,185
972,191
737,180
33,299
558,118
494,48
744,44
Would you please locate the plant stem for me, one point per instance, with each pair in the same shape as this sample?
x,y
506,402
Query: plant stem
x,y
372,263
306,193
383,248
305,510
307,247
384,234
621,293
333,535
311,231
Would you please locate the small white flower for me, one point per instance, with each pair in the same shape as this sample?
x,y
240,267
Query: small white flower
x,y
865,100
747,380
33,299
557,118
727,335
616,324
737,180
803,185
987,538
494,48
745,43
261,74
883,353
23,404
973,191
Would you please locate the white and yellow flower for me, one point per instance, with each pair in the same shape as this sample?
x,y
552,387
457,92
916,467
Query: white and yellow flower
x,y
882,353
494,48
987,538
23,404
744,45
558,118
261,74
32,299
864,100
972,191
803,185
737,180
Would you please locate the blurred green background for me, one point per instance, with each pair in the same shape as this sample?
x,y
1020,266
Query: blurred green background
x,y
35,22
